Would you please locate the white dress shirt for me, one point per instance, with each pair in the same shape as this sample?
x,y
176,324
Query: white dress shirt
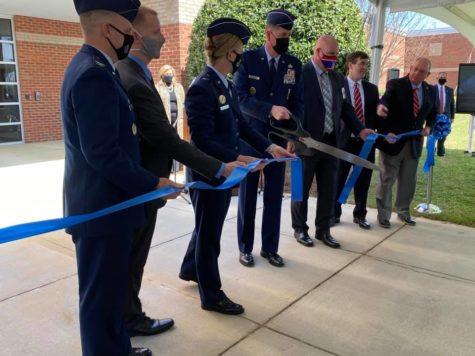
x,y
441,88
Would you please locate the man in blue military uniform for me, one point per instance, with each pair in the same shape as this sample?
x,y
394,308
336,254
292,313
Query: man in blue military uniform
x,y
102,168
269,87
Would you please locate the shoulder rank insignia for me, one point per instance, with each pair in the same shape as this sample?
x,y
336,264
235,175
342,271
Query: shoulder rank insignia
x,y
99,63
222,99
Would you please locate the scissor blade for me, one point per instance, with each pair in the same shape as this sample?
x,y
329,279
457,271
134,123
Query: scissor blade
x,y
336,152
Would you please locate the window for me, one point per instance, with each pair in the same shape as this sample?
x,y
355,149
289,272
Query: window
x,y
435,49
10,110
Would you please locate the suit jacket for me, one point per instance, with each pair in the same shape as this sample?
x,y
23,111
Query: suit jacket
x,y
215,119
399,100
371,100
449,108
314,117
159,141
257,94
102,163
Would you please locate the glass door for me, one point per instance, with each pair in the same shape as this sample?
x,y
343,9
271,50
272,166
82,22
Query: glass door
x,y
10,111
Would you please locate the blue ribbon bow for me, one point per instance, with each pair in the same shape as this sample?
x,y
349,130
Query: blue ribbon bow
x,y
442,129
18,232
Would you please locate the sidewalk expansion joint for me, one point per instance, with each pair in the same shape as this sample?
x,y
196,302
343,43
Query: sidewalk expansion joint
x,y
426,271
39,287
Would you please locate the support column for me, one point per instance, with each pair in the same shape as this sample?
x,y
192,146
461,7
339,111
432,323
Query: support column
x,y
376,40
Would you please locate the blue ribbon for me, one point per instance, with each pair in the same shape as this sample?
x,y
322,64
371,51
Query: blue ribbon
x,y
430,157
18,232
355,173
367,147
442,129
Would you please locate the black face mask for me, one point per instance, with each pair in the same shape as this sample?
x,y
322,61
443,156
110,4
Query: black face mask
x,y
122,51
281,44
442,81
168,79
237,61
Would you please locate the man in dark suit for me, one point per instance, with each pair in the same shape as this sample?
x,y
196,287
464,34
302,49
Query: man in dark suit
x,y
364,98
326,106
445,105
408,104
269,87
159,145
102,168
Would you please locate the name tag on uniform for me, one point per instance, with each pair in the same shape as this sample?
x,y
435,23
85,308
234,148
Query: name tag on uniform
x,y
225,107
289,77
254,77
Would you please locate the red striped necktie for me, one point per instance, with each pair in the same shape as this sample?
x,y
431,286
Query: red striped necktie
x,y
358,103
416,103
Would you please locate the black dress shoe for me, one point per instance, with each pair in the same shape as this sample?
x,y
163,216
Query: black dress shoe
x,y
407,220
187,278
246,259
303,238
273,258
225,306
362,222
384,223
328,239
140,351
147,326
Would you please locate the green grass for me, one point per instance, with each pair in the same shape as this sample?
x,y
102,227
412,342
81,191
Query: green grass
x,y
453,187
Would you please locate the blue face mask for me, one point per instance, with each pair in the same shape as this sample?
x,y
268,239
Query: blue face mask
x,y
329,62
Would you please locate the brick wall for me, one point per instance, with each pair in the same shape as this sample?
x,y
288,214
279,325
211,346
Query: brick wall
x,y
392,56
446,52
44,49
175,50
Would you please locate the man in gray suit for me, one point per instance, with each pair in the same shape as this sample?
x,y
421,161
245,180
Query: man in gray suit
x,y
159,145
408,104
445,105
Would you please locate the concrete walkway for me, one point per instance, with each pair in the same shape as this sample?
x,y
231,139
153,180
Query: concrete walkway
x,y
403,291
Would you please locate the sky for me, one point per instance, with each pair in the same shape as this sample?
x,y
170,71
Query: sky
x,y
433,23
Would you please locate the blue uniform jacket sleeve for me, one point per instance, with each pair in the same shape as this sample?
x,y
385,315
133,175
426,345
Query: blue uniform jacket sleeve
x,y
252,137
201,120
251,106
98,130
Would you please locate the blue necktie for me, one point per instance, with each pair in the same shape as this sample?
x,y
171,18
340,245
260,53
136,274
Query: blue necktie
x,y
272,70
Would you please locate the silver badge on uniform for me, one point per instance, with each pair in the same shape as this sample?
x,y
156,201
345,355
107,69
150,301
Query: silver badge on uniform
x,y
289,77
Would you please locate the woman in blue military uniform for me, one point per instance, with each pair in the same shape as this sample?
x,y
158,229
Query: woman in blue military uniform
x,y
216,127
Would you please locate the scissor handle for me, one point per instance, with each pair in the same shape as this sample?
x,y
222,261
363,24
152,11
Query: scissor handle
x,y
294,133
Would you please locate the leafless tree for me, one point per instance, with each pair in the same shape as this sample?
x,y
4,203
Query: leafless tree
x,y
398,25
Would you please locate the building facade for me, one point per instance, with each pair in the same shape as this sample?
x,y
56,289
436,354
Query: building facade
x,y
445,47
36,45
35,51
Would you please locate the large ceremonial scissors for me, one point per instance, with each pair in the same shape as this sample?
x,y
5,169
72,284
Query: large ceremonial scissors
x,y
300,138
